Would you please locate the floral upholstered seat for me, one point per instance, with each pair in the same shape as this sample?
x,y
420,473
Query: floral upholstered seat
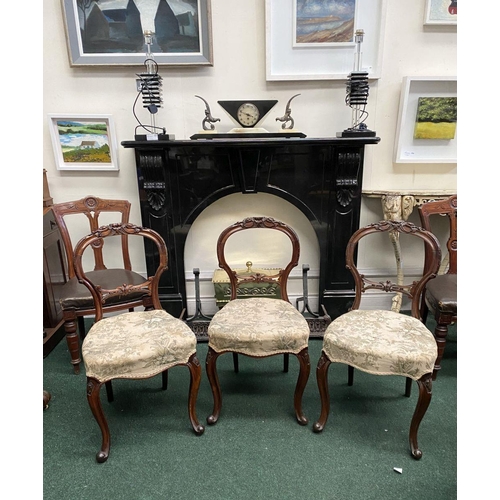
x,y
381,343
258,327
136,345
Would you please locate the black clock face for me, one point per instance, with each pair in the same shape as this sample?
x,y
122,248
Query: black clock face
x,y
249,113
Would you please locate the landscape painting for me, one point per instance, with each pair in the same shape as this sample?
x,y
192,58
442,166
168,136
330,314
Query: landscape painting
x,y
323,22
83,143
436,118
112,31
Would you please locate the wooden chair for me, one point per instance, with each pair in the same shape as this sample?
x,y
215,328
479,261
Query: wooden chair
x,y
258,326
76,300
440,294
384,342
133,345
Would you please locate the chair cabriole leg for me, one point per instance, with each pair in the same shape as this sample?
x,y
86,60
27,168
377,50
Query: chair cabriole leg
x,y
424,399
322,380
195,378
93,389
214,385
304,370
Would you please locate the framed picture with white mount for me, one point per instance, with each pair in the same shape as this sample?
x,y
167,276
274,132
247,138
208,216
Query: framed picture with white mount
x,y
314,40
427,123
111,32
84,142
440,13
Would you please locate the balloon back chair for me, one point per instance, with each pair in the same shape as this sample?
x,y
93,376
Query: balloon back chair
x,y
135,344
440,294
384,342
76,300
258,326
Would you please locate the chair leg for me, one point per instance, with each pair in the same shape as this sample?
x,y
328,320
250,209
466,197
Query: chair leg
x,y
286,362
322,380
408,387
440,334
350,375
236,362
81,327
164,380
424,399
213,378
195,378
109,391
73,342
93,388
304,370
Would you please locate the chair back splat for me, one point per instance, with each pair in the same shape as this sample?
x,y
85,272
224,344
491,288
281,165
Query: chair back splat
x,y
258,223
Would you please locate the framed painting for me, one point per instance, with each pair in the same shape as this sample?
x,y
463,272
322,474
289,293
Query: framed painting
x,y
440,12
323,24
111,32
84,142
314,39
427,122
436,118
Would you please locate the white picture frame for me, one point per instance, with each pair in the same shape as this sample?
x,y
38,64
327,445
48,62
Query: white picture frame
x,y
437,14
284,61
407,149
84,142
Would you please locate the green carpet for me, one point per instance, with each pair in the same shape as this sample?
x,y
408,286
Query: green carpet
x,y
256,450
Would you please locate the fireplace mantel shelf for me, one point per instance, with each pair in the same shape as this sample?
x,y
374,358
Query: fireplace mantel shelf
x,y
321,176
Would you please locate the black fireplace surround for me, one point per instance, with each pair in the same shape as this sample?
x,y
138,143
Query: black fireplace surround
x,y
322,177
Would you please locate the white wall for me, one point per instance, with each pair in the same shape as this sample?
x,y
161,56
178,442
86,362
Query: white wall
x,y
239,72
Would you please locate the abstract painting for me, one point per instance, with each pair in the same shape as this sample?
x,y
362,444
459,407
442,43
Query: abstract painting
x,y
112,31
323,22
436,118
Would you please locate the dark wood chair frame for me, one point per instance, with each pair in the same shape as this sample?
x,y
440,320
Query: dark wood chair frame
x,y
445,315
90,207
280,280
150,301
413,291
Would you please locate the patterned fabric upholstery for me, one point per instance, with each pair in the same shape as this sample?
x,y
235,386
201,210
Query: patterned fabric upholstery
x,y
381,343
136,345
258,327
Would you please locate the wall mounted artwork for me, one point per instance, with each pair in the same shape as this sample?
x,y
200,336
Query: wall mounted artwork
x,y
427,124
441,12
321,24
436,118
111,32
314,39
84,142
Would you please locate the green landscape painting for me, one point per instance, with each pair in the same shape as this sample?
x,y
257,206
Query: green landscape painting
x,y
84,142
436,118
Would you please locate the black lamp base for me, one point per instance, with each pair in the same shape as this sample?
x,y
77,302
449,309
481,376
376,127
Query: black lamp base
x,y
357,133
